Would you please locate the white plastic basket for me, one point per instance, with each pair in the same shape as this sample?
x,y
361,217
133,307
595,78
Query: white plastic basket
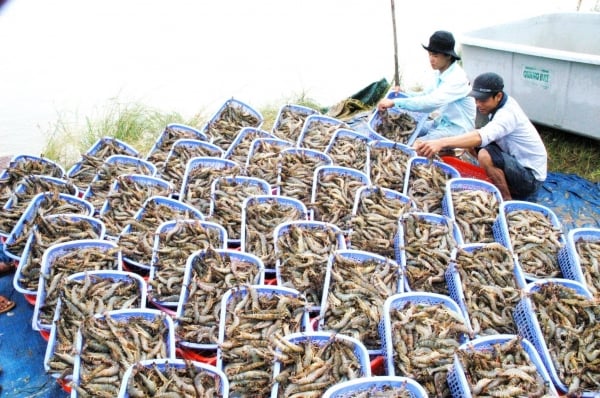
x,y
309,227
375,120
376,386
55,252
529,327
398,301
457,380
351,160
94,228
321,339
269,201
106,274
318,125
360,257
124,316
234,256
166,364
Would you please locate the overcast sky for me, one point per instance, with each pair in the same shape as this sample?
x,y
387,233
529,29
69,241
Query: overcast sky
x,y
189,56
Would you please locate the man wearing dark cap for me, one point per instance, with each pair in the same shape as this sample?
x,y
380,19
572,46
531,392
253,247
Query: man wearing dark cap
x,y
448,95
508,147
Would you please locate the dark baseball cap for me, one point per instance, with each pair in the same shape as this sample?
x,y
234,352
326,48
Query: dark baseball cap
x,y
486,85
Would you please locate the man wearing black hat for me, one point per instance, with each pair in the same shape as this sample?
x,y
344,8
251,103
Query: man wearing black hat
x,y
508,147
448,94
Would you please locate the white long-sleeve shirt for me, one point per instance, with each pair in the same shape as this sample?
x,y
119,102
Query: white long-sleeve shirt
x,y
449,95
514,133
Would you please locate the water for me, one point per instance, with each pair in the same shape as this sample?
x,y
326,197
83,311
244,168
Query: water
x,y
67,59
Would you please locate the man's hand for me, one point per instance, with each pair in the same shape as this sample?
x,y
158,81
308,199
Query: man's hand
x,y
427,148
385,104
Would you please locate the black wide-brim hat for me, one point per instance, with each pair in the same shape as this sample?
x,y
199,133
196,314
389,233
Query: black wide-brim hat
x,y
442,42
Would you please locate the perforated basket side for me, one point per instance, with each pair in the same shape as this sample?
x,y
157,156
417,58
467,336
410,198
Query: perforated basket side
x,y
397,301
456,292
568,257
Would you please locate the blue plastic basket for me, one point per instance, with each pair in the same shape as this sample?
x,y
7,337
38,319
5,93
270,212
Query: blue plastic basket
x,y
263,158
415,161
234,256
123,316
466,184
203,162
27,162
529,327
27,259
398,301
320,159
236,151
99,274
262,187
117,146
457,380
501,228
180,208
569,258
293,111
237,105
376,385
58,184
400,153
61,249
520,280
182,211
309,227
360,140
430,218
273,200
313,122
389,194
165,364
320,339
357,256
347,173
239,293
26,222
196,148
375,120
455,285
167,228
164,143
150,186
22,197
120,162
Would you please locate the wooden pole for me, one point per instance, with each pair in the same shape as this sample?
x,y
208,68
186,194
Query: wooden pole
x,y
396,73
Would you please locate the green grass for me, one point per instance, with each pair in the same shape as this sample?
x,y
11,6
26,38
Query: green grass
x,y
139,126
571,154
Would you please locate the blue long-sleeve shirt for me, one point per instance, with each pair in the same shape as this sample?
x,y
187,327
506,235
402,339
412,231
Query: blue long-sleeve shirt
x,y
449,95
